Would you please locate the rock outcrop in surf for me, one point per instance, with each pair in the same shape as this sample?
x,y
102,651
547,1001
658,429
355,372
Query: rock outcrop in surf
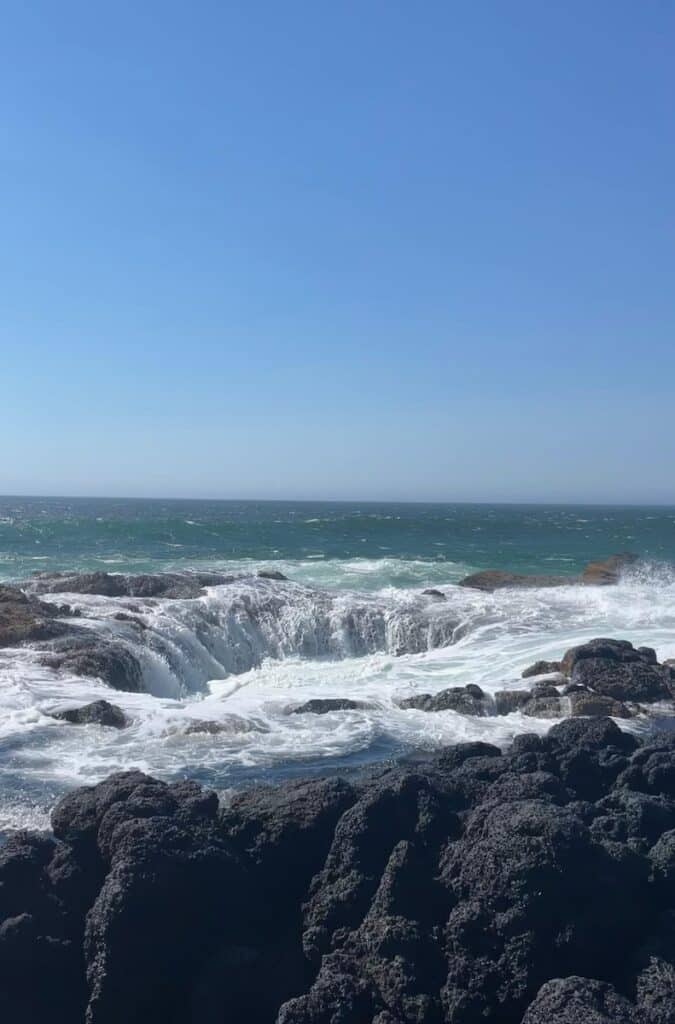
x,y
171,633
523,886
603,573
189,627
599,678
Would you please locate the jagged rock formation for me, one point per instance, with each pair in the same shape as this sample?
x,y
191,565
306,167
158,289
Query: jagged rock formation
x,y
529,886
25,619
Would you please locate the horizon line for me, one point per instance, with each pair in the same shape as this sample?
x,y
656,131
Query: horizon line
x,y
342,501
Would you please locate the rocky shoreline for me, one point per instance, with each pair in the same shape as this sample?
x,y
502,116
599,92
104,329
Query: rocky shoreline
x,y
529,885
69,645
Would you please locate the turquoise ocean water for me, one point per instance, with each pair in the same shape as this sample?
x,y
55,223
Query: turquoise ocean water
x,y
41,534
352,620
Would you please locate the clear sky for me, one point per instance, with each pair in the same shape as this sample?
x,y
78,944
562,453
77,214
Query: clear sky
x,y
356,249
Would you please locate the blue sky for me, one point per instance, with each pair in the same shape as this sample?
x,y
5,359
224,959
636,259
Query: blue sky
x,y
351,250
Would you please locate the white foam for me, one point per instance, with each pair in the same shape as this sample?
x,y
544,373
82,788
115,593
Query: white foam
x,y
246,653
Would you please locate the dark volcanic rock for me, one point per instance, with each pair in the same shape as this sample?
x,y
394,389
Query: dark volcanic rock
x,y
507,701
100,712
272,574
544,706
25,619
88,655
166,584
614,668
634,681
579,1001
44,894
322,706
535,885
437,594
541,668
544,688
616,651
467,700
585,703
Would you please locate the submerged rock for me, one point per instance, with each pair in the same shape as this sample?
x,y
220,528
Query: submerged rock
x,y
438,595
231,724
272,574
322,706
99,712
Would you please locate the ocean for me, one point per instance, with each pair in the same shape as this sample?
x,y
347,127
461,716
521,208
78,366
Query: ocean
x,y
350,621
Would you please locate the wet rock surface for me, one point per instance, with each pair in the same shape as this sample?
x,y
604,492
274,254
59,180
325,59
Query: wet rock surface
x,y
105,584
99,712
467,700
517,887
541,668
85,654
323,706
602,573
25,619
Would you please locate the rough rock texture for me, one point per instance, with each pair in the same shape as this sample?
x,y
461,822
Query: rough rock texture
x,y
163,584
87,654
25,619
99,712
593,704
467,700
507,701
543,706
532,886
579,1001
600,573
614,668
541,668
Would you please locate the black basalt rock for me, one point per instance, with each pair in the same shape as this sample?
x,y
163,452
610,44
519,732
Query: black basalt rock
x,y
99,712
467,700
89,655
528,885
580,1001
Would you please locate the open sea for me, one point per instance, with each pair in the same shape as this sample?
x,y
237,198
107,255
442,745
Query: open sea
x,y
350,621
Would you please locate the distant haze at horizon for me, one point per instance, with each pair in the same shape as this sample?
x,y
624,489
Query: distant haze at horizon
x,y
272,500
311,252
